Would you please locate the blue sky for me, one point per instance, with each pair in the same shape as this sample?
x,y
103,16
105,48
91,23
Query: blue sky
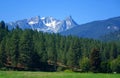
x,y
82,11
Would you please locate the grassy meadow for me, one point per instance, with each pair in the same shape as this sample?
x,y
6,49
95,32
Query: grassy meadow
x,y
24,74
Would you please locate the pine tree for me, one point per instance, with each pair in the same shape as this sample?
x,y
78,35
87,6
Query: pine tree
x,y
71,57
3,54
74,53
41,48
26,49
3,31
95,60
113,51
2,24
115,65
85,64
15,48
51,51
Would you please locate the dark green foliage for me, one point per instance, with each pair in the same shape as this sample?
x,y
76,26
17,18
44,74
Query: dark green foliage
x,y
85,64
2,25
115,65
32,50
26,48
3,31
105,67
95,60
3,55
14,50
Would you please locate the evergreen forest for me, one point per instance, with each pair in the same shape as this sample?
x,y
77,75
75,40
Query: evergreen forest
x,y
37,51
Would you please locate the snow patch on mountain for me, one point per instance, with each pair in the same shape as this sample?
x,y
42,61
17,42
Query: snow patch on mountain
x,y
32,22
113,27
45,24
42,18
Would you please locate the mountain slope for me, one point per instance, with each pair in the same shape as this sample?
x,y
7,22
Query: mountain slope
x,y
114,36
95,29
45,24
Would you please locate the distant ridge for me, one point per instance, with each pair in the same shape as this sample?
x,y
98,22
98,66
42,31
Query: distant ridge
x,y
95,29
45,24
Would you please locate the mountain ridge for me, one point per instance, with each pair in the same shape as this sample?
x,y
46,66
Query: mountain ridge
x,y
45,24
95,29
68,26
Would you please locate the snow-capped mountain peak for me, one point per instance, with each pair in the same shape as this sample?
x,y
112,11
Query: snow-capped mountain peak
x,y
50,21
34,20
42,18
45,24
70,22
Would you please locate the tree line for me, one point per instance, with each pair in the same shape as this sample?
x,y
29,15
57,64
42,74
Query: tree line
x,y
32,50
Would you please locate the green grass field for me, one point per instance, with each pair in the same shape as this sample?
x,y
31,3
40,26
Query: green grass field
x,y
21,74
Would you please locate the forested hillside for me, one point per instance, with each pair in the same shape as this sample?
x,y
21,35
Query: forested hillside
x,y
32,50
113,36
